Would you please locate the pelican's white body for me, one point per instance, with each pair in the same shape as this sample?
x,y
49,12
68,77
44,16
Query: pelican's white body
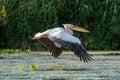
x,y
63,37
60,33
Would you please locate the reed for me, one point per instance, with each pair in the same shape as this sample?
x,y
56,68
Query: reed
x,y
20,19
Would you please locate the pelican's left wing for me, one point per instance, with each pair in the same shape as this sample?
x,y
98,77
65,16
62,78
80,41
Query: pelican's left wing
x,y
72,43
51,47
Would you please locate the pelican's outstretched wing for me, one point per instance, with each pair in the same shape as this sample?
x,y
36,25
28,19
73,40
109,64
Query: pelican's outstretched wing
x,y
72,43
51,47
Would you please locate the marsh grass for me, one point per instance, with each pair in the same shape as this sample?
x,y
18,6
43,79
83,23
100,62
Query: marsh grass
x,y
33,67
20,68
21,19
14,51
10,51
55,67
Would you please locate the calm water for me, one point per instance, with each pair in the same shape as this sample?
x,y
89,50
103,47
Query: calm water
x,y
66,67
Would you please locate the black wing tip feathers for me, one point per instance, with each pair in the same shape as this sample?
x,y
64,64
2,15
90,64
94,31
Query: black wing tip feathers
x,y
78,49
82,53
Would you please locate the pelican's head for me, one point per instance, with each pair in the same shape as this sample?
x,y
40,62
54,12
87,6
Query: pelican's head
x,y
76,28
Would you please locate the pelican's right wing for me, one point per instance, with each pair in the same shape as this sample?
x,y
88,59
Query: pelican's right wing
x,y
72,43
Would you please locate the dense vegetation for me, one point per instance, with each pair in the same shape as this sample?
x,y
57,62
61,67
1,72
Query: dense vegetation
x,y
21,19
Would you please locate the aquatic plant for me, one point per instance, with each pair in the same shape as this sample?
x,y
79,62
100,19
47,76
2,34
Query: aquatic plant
x,y
21,68
56,67
33,67
14,51
6,51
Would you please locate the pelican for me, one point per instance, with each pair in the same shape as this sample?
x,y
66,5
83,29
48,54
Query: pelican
x,y
56,38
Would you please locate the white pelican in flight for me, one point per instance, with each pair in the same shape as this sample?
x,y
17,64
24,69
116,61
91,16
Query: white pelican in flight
x,y
56,38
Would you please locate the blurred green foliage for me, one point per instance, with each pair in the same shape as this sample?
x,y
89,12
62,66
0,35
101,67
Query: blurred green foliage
x,y
12,51
21,19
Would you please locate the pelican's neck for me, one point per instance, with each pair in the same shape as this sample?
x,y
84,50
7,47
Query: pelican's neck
x,y
68,31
